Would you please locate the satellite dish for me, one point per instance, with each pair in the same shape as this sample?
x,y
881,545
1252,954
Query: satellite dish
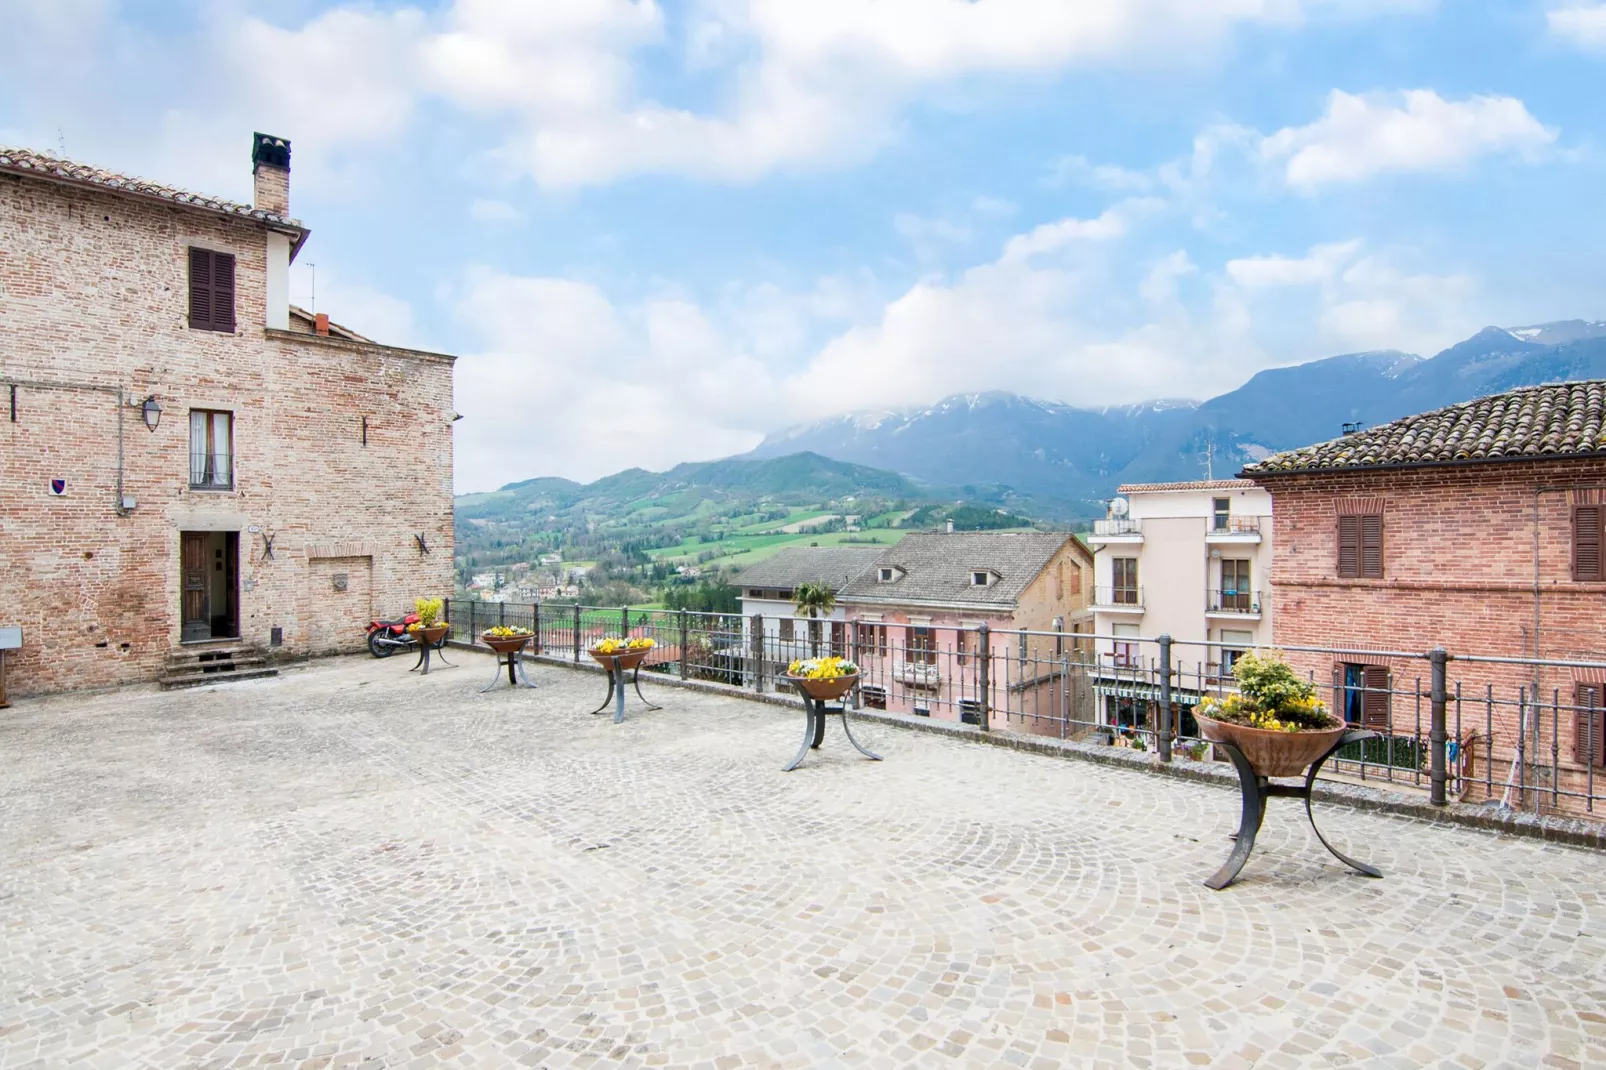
x,y
1118,507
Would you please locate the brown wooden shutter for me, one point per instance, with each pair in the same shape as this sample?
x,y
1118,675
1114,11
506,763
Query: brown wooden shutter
x,y
223,292
1372,547
1586,542
1589,726
1349,547
1375,696
200,289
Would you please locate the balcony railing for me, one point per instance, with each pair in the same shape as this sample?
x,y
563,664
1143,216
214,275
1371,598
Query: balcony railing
x,y
1118,597
1234,525
1245,602
1116,525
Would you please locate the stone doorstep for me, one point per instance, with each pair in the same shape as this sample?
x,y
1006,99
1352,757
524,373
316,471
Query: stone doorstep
x,y
1574,831
196,679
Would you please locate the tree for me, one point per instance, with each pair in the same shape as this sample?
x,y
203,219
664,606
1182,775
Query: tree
x,y
813,599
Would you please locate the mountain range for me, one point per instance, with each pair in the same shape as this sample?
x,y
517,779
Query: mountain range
x,y
1005,447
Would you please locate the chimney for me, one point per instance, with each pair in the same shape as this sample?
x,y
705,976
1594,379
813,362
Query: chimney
x,y
950,527
320,324
270,163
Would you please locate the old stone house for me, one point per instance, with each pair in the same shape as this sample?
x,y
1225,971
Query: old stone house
x,y
1476,527
193,473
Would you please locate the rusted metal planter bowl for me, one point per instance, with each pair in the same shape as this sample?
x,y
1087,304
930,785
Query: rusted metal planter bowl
x,y
505,644
432,636
1272,754
626,661
824,690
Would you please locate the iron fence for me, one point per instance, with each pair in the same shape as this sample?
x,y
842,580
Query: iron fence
x,y
1455,726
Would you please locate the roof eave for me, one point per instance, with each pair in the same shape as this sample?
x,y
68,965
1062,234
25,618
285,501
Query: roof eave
x,y
1463,462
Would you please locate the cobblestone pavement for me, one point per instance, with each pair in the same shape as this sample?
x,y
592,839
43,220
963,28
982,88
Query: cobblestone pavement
x,y
352,866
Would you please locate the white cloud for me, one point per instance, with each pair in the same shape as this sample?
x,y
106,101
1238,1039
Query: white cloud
x,y
1418,130
921,230
484,210
1582,24
1077,170
1048,237
1321,264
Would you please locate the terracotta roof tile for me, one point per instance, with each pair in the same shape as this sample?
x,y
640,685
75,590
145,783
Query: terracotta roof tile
x,y
41,165
935,566
1556,420
1197,484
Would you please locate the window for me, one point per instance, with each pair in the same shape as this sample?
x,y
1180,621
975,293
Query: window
x,y
1126,581
1589,733
1221,510
887,575
1586,542
922,644
873,697
211,290
211,450
960,639
1235,588
1234,645
980,579
1360,546
786,629
1125,654
839,639
872,640
1366,695
1076,580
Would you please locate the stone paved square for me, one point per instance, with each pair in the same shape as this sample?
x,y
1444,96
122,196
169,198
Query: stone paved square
x,y
350,866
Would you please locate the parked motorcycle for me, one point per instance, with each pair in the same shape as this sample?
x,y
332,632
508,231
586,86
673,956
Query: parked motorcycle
x,y
385,637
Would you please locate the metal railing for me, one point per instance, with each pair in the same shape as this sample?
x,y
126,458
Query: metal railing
x,y
1234,525
1117,525
1245,602
1455,726
1119,597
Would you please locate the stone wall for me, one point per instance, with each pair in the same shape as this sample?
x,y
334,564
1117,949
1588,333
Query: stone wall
x,y
94,293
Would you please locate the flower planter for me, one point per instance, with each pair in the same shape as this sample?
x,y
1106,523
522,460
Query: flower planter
x,y
823,690
506,644
625,660
432,636
1270,753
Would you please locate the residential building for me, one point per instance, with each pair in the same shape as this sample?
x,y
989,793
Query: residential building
x,y
1188,560
767,589
1477,527
916,615
190,467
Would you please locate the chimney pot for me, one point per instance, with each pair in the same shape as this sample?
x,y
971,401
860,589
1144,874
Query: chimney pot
x,y
270,165
320,324
950,527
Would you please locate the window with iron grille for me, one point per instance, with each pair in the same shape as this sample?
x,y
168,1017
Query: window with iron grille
x,y
1221,511
1235,585
211,450
922,644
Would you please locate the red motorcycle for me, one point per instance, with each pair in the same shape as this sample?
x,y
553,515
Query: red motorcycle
x,y
385,637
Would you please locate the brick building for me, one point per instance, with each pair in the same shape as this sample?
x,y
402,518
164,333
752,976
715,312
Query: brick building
x,y
1477,527
189,466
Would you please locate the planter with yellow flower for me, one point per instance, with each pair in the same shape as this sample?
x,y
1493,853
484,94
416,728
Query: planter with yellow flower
x,y
1274,727
824,679
620,656
507,639
429,631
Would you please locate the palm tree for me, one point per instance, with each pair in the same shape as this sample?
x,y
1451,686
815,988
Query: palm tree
x,y
813,599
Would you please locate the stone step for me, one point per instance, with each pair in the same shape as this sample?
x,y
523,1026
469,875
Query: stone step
x,y
196,679
188,658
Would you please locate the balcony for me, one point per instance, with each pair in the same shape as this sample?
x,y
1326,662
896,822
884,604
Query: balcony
x,y
1239,605
1118,600
1233,530
1116,529
914,674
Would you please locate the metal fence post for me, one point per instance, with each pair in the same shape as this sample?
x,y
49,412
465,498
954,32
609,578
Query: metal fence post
x,y
624,622
577,633
1163,733
984,656
446,615
756,643
501,613
535,625
471,630
684,644
1437,734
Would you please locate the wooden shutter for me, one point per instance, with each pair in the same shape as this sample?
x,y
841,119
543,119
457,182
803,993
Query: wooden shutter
x,y
1372,546
200,289
223,292
1375,696
211,290
1589,726
1349,547
1586,542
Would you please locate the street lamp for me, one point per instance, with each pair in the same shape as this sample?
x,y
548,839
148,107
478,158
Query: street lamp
x,y
152,412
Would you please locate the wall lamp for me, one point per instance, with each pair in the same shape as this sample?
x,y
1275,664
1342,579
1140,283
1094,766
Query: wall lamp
x,y
151,411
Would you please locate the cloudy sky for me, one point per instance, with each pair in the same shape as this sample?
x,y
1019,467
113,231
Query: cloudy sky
x,y
656,229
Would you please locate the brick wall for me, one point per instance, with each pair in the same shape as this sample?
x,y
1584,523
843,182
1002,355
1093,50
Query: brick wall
x,y
94,291
1477,558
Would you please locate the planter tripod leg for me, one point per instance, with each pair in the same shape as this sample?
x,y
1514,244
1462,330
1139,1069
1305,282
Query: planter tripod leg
x,y
524,675
808,736
637,681
1310,781
607,701
872,755
496,674
1254,811
619,695
440,652
817,711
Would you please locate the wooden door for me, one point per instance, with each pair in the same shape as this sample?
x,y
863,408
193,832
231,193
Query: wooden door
x,y
195,615
231,577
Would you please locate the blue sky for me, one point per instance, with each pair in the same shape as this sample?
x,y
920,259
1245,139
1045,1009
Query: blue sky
x,y
654,231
